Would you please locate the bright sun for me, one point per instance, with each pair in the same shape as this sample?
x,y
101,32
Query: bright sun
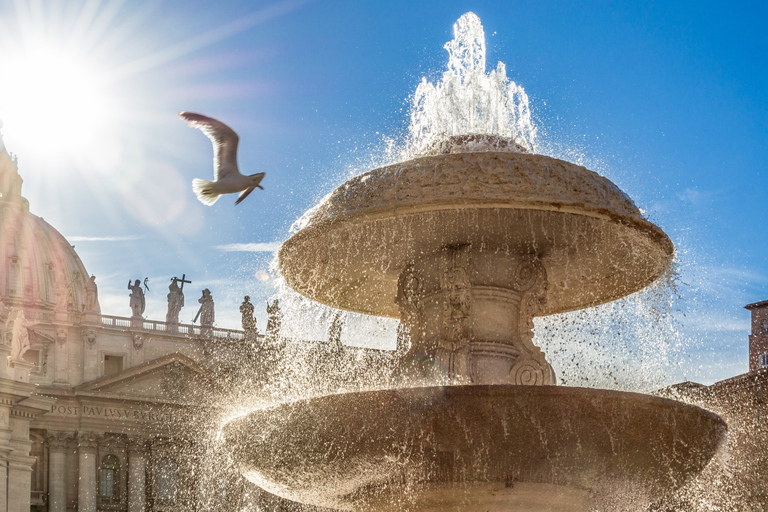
x,y
52,97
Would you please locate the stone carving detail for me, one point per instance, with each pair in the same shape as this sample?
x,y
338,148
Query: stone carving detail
x,y
137,447
531,282
91,296
58,441
511,177
457,297
20,336
138,341
4,320
87,442
89,335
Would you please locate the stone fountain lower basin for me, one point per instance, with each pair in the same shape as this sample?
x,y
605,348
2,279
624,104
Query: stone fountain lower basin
x,y
475,448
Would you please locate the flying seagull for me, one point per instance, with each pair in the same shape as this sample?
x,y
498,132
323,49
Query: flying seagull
x,y
226,176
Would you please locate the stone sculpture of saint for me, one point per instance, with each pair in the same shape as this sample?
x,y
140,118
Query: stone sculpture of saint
x,y
3,322
175,301
246,310
137,298
275,318
206,310
20,336
92,296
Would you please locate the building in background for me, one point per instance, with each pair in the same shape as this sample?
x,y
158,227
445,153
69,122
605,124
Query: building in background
x,y
97,412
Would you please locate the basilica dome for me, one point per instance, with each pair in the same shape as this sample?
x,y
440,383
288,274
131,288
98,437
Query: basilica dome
x,y
42,270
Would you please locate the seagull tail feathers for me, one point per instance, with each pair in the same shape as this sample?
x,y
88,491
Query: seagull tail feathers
x,y
202,189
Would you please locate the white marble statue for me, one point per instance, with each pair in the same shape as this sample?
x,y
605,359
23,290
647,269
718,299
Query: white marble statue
x,y
246,311
175,301
92,296
20,336
137,298
206,312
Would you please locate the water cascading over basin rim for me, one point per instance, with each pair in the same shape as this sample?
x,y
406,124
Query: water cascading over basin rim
x,y
591,238
469,447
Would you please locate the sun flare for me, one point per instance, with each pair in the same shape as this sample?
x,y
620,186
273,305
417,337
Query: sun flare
x,y
54,98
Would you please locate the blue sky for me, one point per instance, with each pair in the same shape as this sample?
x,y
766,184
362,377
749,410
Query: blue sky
x,y
667,99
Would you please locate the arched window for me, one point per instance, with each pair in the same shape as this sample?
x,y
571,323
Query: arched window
x,y
109,479
167,479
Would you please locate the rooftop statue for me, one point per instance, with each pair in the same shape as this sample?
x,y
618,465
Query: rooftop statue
x,y
175,299
206,312
275,318
92,295
138,304
248,320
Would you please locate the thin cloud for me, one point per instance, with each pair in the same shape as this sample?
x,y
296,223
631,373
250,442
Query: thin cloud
x,y
129,238
242,24
253,247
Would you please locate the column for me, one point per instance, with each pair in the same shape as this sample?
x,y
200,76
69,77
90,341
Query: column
x,y
57,471
136,475
86,488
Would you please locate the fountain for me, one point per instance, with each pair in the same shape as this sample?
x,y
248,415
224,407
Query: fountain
x,y
465,244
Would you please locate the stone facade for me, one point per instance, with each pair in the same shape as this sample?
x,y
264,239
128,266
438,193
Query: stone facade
x,y
758,340
97,412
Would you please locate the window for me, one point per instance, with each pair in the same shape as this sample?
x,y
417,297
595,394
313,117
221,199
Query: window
x,y
108,482
167,479
764,326
762,361
112,364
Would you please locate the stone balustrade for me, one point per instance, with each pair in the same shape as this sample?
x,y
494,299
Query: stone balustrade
x,y
120,322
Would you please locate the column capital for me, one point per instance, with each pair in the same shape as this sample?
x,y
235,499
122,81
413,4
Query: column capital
x,y
137,446
87,442
58,440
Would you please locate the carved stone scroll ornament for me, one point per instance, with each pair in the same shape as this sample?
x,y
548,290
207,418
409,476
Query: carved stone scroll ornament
x,y
532,368
138,341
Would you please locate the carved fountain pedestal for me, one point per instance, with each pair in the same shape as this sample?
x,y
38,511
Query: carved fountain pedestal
x,y
470,317
466,248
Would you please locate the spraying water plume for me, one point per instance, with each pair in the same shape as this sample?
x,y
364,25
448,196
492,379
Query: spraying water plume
x,y
469,101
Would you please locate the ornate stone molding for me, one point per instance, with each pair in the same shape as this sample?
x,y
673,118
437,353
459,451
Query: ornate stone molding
x,y
61,336
138,341
58,441
87,442
137,447
90,335
508,176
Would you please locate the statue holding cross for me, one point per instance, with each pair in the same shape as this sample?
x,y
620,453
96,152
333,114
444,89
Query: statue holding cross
x,y
175,300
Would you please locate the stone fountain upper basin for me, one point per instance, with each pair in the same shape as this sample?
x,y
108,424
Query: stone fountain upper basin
x,y
593,241
474,448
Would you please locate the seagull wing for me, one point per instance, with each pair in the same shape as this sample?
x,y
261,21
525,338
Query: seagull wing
x,y
224,140
244,194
